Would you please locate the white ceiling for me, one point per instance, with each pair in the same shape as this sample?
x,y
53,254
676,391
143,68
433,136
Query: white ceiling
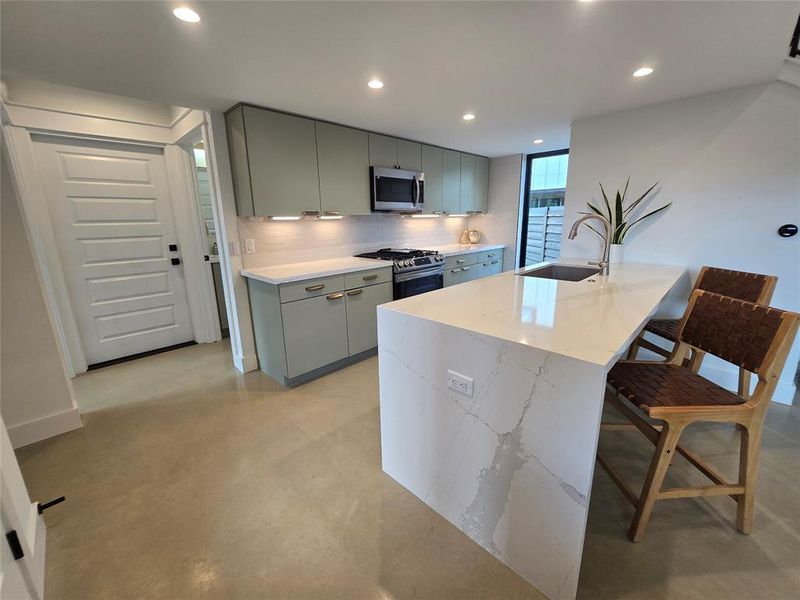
x,y
525,69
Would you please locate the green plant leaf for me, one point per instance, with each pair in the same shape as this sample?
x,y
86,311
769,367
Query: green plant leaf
x,y
602,237
639,199
617,237
608,206
618,212
595,209
640,219
625,191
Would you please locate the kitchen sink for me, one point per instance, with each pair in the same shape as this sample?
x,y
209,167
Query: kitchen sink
x,y
562,272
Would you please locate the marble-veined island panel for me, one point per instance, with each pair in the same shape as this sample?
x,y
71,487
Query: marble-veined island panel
x,y
511,464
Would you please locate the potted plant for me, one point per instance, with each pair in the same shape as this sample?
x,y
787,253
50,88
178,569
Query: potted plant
x,y
620,217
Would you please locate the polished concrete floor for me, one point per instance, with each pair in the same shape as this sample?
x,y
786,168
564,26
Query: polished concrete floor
x,y
191,481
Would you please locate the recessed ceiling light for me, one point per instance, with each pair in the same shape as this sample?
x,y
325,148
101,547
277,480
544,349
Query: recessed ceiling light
x,y
538,141
186,14
375,84
642,72
468,117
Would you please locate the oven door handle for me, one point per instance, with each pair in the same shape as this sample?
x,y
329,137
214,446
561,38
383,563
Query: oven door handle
x,y
401,277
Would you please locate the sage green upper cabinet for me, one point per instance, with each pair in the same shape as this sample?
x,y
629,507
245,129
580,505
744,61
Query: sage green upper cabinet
x,y
409,155
482,184
451,181
467,199
434,178
343,155
282,156
237,147
382,150
385,151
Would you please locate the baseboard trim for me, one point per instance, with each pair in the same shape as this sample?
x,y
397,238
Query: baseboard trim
x,y
245,364
46,427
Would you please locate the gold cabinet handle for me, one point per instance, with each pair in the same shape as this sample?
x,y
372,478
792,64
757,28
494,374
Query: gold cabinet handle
x,y
314,288
455,270
370,277
463,260
465,268
355,292
335,296
490,256
494,262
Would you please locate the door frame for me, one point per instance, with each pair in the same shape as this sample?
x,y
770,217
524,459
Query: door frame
x,y
17,142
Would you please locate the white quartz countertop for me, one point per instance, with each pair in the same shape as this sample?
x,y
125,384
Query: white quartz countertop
x,y
591,320
347,264
315,268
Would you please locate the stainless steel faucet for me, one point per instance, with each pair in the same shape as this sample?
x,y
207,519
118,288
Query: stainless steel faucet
x,y
603,262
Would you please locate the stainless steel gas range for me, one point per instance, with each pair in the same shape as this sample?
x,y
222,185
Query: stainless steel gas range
x,y
415,271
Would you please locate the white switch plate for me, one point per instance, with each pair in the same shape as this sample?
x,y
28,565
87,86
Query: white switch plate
x,y
249,246
460,383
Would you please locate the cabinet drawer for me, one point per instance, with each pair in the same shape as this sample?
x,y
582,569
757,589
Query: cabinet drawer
x,y
489,255
459,275
315,332
371,277
460,260
308,288
362,315
492,267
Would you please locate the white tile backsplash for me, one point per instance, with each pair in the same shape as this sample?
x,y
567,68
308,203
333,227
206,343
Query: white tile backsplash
x,y
283,242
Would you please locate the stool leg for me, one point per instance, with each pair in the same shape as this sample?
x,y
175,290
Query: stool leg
x,y
634,349
655,478
748,467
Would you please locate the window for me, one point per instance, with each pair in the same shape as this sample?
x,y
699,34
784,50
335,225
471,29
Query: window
x,y
543,206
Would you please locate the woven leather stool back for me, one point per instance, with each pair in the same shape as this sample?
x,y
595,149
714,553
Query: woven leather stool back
x,y
751,287
739,332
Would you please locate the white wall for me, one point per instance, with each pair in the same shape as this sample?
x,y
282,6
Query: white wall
x,y
730,164
35,394
501,225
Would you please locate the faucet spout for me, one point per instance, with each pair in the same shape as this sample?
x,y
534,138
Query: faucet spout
x,y
573,233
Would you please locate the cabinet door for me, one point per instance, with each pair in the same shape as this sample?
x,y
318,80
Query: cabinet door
x,y
484,269
362,315
409,155
467,198
343,156
315,332
482,184
282,152
459,275
382,150
451,181
240,170
432,167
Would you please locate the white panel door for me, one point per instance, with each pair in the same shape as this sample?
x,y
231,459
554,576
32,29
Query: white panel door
x,y
112,218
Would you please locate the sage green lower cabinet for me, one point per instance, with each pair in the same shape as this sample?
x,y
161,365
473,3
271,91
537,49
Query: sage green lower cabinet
x,y
362,317
492,267
459,275
307,325
315,332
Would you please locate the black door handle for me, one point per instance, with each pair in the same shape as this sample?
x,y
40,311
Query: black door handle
x,y
13,542
43,507
173,247
175,261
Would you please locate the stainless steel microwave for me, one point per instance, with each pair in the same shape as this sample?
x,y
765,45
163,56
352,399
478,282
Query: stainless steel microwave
x,y
394,190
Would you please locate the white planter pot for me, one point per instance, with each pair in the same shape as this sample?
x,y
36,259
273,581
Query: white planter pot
x,y
616,253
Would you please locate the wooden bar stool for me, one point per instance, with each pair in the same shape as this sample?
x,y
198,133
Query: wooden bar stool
x,y
752,336
751,287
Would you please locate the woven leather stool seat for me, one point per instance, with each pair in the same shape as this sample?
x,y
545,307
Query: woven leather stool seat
x,y
648,385
665,328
